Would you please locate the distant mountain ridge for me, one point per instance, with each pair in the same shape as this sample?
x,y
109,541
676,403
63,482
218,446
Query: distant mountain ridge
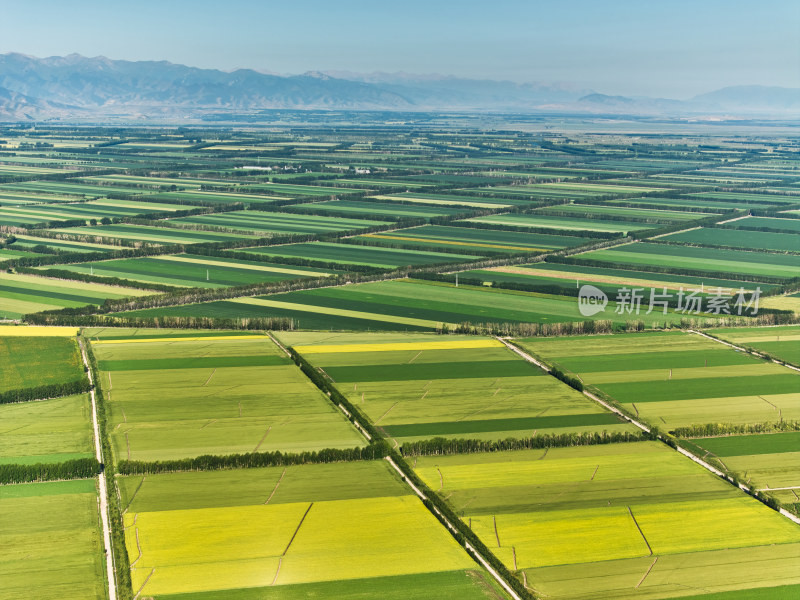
x,y
75,86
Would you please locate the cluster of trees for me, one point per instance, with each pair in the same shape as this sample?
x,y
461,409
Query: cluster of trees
x,y
162,322
724,429
571,381
538,329
443,446
78,468
52,390
252,460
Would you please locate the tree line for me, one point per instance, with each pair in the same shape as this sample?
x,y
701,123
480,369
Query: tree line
x,y
78,468
41,392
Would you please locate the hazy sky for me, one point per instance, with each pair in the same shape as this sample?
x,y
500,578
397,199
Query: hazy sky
x,y
667,48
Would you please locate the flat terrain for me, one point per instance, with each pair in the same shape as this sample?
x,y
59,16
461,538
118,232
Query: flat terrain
x,y
677,379
51,541
336,530
469,388
180,397
630,520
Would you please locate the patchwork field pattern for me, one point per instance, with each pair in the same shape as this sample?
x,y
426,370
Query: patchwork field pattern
x,y
181,397
677,379
468,388
603,521
336,529
51,542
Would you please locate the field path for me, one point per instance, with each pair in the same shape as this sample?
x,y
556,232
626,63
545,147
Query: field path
x,y
275,489
635,522
98,450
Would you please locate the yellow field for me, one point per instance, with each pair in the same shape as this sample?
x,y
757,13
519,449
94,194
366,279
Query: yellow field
x,y
246,546
34,331
400,346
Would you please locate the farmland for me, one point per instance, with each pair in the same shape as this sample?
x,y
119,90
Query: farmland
x,y
324,529
302,335
415,388
780,342
187,270
174,407
411,305
676,379
52,547
613,536
22,294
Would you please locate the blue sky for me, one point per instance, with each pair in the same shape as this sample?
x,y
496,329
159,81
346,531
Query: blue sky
x,y
661,48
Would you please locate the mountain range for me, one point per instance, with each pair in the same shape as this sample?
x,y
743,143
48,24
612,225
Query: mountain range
x,y
77,87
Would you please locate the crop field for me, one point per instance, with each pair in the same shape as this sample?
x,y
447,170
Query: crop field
x,y
457,199
187,270
738,238
787,225
295,190
467,388
601,210
35,361
758,199
72,189
183,397
351,254
43,213
333,530
780,342
277,223
154,235
754,264
46,431
405,305
51,542
216,197
535,220
677,379
376,209
573,190
24,294
682,203
633,520
478,240
33,243
570,277
767,461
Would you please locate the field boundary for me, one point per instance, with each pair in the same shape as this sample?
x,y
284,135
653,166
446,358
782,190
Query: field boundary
x,y
102,484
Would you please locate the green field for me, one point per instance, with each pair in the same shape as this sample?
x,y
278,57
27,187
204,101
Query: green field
x,y
261,222
48,431
350,254
738,238
275,532
212,395
27,362
475,389
24,294
723,261
619,521
401,305
780,342
434,237
677,379
51,541
375,209
537,221
188,270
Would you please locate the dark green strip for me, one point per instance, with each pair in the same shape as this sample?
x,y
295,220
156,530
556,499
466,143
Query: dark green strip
x,y
427,371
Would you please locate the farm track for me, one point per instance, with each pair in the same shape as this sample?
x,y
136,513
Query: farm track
x,y
102,484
